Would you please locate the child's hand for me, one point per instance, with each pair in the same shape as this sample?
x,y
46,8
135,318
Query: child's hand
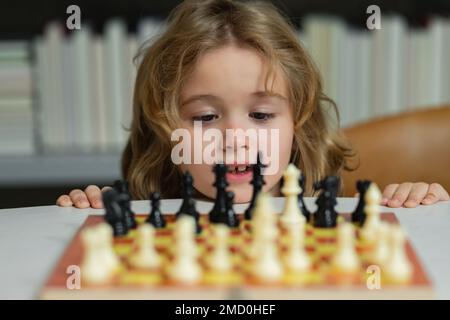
x,y
90,197
411,194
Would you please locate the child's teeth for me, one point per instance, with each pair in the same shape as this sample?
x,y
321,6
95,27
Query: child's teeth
x,y
241,168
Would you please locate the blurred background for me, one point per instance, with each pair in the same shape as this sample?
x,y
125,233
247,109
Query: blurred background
x,y
65,95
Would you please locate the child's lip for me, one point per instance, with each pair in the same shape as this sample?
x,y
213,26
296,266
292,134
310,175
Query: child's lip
x,y
233,177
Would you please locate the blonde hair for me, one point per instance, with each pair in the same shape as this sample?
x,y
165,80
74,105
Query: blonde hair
x,y
194,27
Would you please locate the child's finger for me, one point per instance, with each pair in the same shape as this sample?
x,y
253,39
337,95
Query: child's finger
x,y
106,188
94,196
400,195
435,193
388,192
79,198
418,192
64,201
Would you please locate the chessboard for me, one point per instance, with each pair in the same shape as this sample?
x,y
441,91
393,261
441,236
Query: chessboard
x,y
321,281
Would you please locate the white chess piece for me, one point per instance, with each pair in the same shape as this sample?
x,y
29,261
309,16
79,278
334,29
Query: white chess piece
x,y
296,258
291,188
106,250
263,218
397,267
94,270
145,255
381,250
185,268
220,259
267,264
372,210
346,259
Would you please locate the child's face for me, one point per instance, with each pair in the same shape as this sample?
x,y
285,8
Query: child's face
x,y
227,91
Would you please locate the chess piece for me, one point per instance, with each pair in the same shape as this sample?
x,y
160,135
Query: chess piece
x,y
346,260
113,213
145,255
106,250
257,183
124,200
359,215
372,209
291,213
381,250
267,266
220,259
185,268
397,268
95,269
326,215
230,218
218,214
156,218
188,204
296,258
301,200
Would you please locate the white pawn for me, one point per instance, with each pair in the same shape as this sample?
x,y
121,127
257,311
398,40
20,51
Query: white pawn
x,y
397,267
372,209
291,188
267,266
94,270
381,250
220,259
185,268
296,258
145,255
346,259
106,250
263,218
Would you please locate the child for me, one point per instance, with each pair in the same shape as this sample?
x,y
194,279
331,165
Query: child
x,y
233,65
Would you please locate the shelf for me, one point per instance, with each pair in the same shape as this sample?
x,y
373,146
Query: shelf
x,y
59,169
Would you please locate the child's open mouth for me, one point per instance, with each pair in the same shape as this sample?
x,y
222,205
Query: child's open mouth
x,y
239,173
239,169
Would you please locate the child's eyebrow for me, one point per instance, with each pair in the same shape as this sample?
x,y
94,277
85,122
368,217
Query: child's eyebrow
x,y
269,94
200,97
215,99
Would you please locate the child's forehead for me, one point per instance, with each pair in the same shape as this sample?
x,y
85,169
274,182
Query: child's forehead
x,y
232,69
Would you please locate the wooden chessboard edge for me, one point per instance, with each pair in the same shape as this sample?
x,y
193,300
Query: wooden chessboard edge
x,y
416,293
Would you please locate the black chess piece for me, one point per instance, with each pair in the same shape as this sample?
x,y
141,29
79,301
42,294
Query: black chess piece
x,y
231,218
188,204
124,201
359,215
114,213
219,211
301,200
326,215
257,183
156,217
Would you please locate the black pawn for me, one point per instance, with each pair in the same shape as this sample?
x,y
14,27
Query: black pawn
x,y
219,210
301,200
359,215
125,203
231,220
326,215
188,204
113,213
257,183
155,217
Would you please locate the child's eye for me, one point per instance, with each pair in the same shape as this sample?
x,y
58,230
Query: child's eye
x,y
261,116
205,118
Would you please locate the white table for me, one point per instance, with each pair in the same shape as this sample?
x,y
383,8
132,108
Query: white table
x,y
32,239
